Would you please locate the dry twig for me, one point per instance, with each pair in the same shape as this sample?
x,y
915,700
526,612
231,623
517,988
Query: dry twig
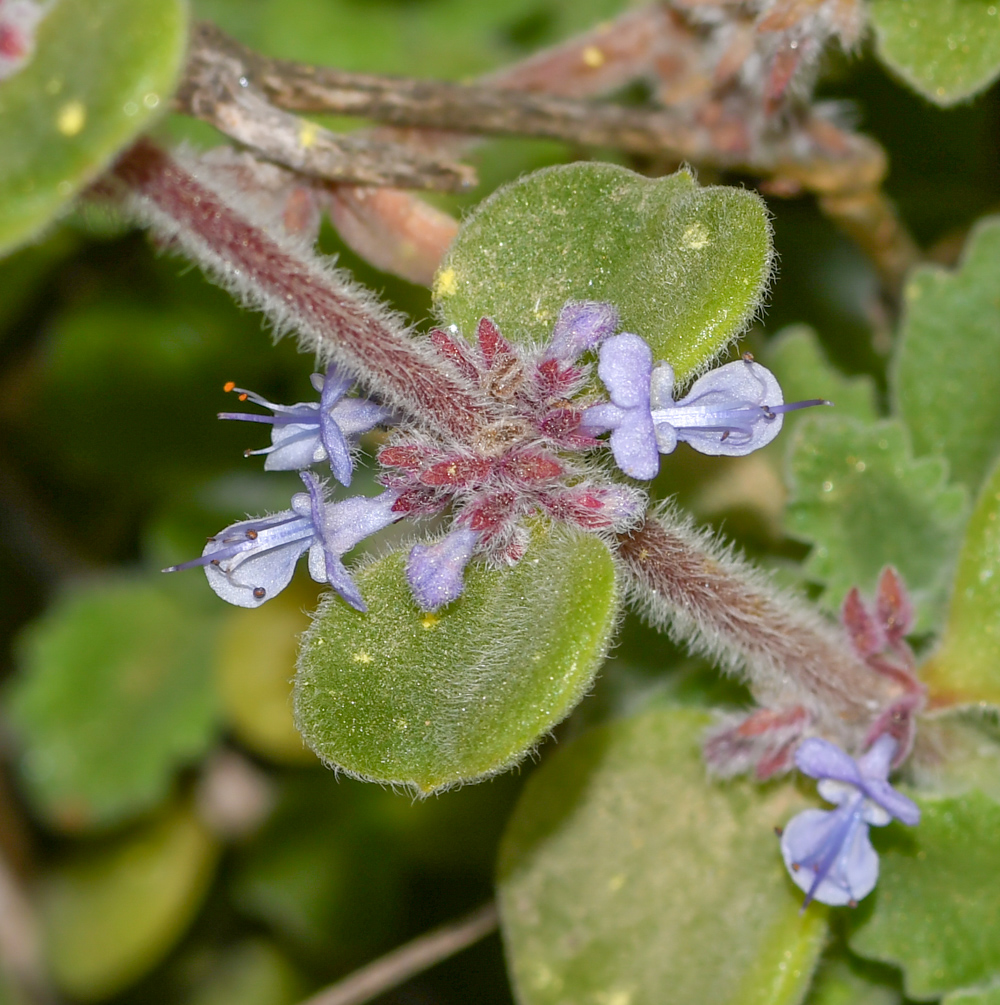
x,y
408,960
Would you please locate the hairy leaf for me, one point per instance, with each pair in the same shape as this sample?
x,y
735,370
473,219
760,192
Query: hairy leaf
x,y
113,913
946,380
966,667
685,266
101,70
945,50
626,875
860,498
936,910
115,694
428,700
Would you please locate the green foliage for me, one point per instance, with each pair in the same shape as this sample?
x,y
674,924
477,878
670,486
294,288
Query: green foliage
x,y
115,693
803,370
685,266
101,71
428,700
966,667
947,358
945,50
449,39
842,981
859,497
990,996
959,751
627,876
936,910
254,666
254,973
113,913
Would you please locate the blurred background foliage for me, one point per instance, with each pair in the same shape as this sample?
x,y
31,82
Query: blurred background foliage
x,y
129,699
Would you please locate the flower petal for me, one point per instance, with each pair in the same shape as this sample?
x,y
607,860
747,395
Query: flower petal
x,y
626,367
253,578
436,571
580,326
634,445
822,759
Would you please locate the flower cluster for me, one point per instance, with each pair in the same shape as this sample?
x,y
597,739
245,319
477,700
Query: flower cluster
x,y
828,852
522,460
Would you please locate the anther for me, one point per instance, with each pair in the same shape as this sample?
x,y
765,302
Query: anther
x,y
748,357
259,592
778,831
852,903
795,867
252,534
243,397
215,561
229,385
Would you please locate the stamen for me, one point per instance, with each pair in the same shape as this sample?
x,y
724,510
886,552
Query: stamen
x,y
228,386
244,396
252,534
259,592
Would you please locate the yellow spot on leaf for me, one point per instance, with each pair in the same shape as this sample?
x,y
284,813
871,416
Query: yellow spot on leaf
x,y
445,285
308,131
696,236
593,57
429,620
361,656
72,118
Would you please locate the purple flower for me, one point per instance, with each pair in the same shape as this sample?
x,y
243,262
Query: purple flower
x,y
253,560
309,432
827,852
733,410
580,326
435,572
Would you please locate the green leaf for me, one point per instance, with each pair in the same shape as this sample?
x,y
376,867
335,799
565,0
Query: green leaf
x,y
102,69
945,50
990,996
803,370
957,752
685,266
254,973
429,700
936,910
115,693
861,499
966,667
946,382
842,981
113,914
628,876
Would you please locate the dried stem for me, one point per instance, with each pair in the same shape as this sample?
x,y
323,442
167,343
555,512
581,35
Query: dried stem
x,y
725,609
408,960
297,291
216,89
491,111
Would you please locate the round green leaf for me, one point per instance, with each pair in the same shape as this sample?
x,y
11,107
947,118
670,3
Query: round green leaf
x,y
858,495
945,50
101,70
629,877
966,667
114,913
946,359
685,266
114,695
428,700
936,910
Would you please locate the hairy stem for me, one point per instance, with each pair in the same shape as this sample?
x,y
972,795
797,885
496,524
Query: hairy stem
x,y
722,607
410,959
297,291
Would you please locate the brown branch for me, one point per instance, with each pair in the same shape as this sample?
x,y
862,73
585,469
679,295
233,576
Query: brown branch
x,y
441,105
720,605
408,960
216,90
297,290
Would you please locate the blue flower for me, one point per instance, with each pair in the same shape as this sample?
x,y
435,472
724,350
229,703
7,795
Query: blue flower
x,y
828,852
309,432
733,410
435,571
253,560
